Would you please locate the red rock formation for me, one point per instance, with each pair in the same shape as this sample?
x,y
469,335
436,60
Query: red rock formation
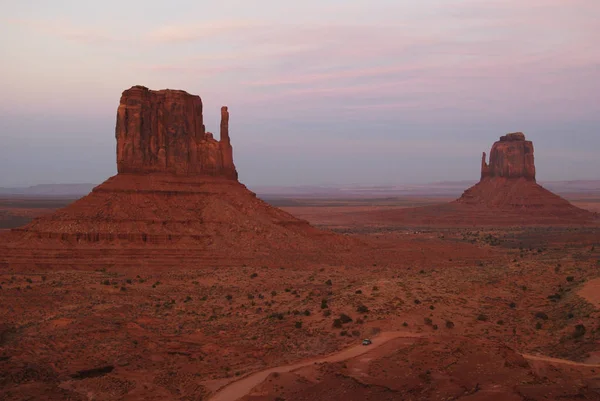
x,y
485,169
163,132
508,186
175,201
511,157
507,194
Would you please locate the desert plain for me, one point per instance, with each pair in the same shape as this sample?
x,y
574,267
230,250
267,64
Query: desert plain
x,y
467,302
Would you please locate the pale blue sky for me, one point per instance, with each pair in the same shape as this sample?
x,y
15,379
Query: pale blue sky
x,y
320,92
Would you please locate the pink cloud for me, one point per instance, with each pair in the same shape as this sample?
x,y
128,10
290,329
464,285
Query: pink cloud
x,y
67,30
177,33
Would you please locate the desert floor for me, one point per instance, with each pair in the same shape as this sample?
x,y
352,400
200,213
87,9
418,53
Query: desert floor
x,y
475,314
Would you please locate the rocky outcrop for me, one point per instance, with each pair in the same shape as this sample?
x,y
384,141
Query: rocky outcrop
x,y
511,157
163,132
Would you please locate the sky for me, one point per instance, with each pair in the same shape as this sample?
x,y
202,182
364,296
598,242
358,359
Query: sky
x,y
320,92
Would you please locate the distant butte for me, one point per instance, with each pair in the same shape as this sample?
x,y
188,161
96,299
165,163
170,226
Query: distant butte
x,y
507,194
177,190
508,184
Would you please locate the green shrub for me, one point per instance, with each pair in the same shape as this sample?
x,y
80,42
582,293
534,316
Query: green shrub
x,y
345,318
579,331
362,309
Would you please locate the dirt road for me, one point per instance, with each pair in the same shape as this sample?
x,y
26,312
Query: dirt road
x,y
243,386
591,292
559,361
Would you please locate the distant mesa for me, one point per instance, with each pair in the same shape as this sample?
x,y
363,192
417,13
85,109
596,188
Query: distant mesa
x,y
177,190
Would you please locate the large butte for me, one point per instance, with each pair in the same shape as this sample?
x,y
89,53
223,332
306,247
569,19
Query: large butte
x,y
175,201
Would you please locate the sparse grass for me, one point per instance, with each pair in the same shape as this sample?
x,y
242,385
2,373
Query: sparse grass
x,y
579,331
482,318
345,318
362,309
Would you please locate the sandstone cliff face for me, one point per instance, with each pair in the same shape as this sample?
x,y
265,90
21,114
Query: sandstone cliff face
x,y
511,157
163,132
